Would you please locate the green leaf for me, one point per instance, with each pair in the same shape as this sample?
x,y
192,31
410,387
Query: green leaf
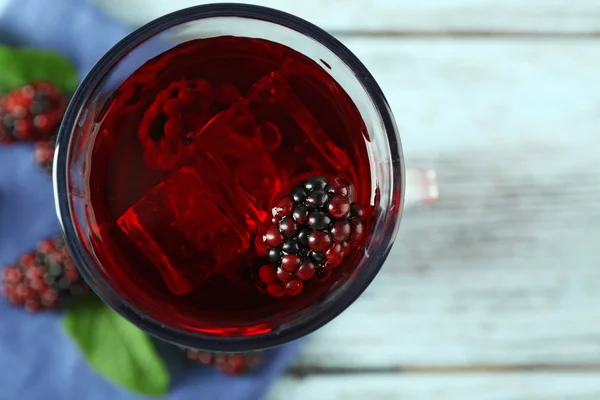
x,y
20,66
117,349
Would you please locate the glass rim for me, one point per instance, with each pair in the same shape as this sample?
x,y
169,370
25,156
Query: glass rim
x,y
199,340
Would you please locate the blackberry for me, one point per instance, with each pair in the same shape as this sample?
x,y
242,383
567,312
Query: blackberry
x,y
45,279
31,113
229,363
309,233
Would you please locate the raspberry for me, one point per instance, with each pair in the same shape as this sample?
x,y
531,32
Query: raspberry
x,y
227,95
31,113
310,233
169,124
229,363
45,279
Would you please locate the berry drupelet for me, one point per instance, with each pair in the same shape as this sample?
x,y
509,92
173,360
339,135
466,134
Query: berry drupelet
x,y
311,231
45,279
43,153
31,113
229,363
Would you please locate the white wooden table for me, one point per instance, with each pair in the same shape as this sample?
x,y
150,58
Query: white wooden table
x,y
494,292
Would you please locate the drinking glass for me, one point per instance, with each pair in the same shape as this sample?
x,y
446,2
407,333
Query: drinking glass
x,y
390,181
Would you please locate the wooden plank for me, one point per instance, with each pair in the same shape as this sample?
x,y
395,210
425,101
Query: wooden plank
x,y
504,269
392,16
535,386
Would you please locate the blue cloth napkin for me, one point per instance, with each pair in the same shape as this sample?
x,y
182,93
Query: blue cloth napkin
x,y
37,360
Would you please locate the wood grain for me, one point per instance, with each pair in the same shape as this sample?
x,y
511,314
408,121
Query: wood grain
x,y
535,386
407,17
504,269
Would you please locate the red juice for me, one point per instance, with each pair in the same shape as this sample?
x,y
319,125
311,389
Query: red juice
x,y
191,154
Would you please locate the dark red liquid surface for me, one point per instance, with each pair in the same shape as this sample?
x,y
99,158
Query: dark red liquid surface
x,y
178,189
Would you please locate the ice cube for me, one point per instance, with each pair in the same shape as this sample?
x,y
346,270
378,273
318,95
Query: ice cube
x,y
193,223
273,88
234,138
230,133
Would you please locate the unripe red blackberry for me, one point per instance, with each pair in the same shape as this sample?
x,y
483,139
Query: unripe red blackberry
x,y
31,113
229,363
43,153
45,279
